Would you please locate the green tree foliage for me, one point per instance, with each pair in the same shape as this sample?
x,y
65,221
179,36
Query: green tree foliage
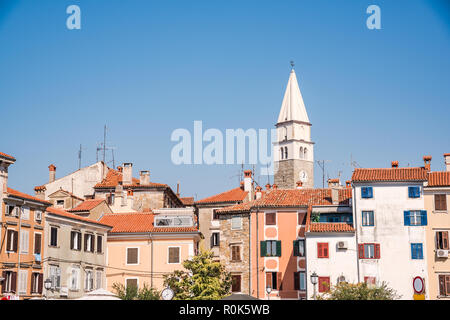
x,y
359,291
315,217
132,293
203,279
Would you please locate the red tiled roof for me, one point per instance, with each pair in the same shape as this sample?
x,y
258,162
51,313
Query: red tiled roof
x,y
7,156
330,227
187,201
87,205
233,195
113,177
39,188
66,214
389,174
288,198
439,179
22,195
138,222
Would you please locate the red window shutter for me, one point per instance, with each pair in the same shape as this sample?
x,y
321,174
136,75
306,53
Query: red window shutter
x,y
377,251
40,283
269,279
361,251
319,250
325,250
324,284
279,282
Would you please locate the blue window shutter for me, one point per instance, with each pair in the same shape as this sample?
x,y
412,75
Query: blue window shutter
x,y
420,248
363,192
413,253
410,192
423,215
417,192
370,191
406,215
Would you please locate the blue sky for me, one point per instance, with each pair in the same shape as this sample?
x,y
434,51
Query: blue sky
x,y
145,68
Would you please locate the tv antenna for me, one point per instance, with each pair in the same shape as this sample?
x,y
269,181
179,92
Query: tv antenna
x,y
103,147
321,164
79,157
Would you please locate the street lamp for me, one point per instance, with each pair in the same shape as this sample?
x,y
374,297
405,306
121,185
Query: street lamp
x,y
268,290
314,279
47,285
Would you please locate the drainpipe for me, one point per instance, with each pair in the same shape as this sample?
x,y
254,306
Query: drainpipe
x,y
151,262
250,253
18,252
257,255
355,215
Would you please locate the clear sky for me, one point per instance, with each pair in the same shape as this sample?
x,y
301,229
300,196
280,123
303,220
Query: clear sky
x,y
145,68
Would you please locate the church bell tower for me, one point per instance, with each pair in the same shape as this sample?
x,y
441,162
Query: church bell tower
x,y
293,151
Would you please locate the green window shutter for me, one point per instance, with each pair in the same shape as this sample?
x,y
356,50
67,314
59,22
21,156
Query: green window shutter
x,y
296,248
278,248
263,249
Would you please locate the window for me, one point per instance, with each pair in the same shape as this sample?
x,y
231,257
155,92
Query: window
x,y
37,243
299,248
300,281
236,283
60,203
366,192
9,284
414,192
442,240
23,277
174,221
99,277
301,153
369,251
324,284
415,218
9,210
24,241
174,254
37,215
305,154
440,202
132,255
89,242
215,239
368,219
273,280
89,280
271,248
53,236
75,240
282,153
236,223
36,282
11,244
55,277
370,280
444,285
110,199
99,244
271,219
25,213
416,251
215,215
285,152
132,282
74,279
322,250
235,253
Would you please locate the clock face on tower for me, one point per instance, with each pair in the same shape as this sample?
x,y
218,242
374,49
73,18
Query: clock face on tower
x,y
303,176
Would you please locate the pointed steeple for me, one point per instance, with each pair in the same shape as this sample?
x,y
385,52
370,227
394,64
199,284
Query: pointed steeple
x,y
293,107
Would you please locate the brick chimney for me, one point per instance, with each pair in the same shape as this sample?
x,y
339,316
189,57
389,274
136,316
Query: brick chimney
x,y
275,187
447,161
119,168
127,173
39,192
394,164
258,192
144,177
51,173
348,184
333,183
299,184
427,162
242,185
268,186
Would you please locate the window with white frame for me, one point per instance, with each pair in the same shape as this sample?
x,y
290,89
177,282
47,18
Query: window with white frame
x,y
89,280
55,277
174,255
37,215
99,278
75,278
236,223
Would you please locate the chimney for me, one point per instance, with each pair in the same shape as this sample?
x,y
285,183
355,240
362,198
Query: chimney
x,y
258,192
178,189
394,164
119,168
447,161
348,184
333,183
118,194
242,185
299,184
335,195
144,177
427,162
39,192
248,180
268,186
51,173
127,173
275,187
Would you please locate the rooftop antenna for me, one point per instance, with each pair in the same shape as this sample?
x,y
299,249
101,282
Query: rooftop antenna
x,y
292,64
321,164
79,157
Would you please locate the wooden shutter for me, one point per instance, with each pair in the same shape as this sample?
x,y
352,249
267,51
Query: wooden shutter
x,y
8,240
37,243
270,218
79,240
263,249
423,216
361,251
72,239
40,282
324,284
442,290
16,239
85,241
296,280
278,248
4,282
92,243
268,279
296,248
444,235
377,251
279,281
447,285
13,281
325,250
132,255
406,218
99,244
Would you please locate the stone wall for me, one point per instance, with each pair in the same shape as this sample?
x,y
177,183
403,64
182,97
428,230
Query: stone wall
x,y
287,173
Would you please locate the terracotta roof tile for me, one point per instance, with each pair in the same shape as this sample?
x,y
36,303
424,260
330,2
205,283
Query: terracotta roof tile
x,y
439,179
7,156
66,214
187,201
87,205
233,195
22,195
330,227
113,177
138,222
389,174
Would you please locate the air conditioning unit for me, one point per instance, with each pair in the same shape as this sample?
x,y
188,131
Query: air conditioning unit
x,y
442,253
342,245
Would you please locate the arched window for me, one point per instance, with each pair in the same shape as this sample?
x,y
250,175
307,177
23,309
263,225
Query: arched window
x,y
281,151
301,152
305,154
285,153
